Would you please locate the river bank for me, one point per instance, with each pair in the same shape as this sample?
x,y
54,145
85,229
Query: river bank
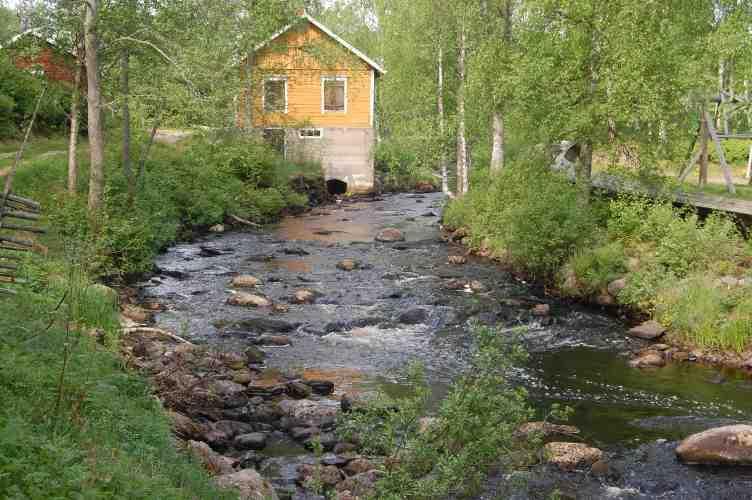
x,y
407,301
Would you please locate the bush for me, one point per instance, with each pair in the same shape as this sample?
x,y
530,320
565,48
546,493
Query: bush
x,y
529,214
400,167
736,151
450,457
596,268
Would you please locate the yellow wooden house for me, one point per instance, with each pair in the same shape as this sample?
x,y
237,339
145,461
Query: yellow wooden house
x,y
314,98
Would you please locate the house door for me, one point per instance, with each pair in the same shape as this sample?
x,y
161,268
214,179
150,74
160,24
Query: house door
x,y
275,137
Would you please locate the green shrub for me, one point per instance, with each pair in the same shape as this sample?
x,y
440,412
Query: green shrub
x,y
264,205
473,428
596,268
736,151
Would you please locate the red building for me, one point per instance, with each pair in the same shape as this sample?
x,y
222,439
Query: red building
x,y
31,51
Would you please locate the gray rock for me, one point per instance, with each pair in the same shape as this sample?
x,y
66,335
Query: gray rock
x,y
249,484
649,330
252,441
212,461
569,456
616,286
413,316
390,235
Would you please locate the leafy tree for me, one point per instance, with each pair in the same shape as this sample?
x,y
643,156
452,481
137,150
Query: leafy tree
x,y
8,22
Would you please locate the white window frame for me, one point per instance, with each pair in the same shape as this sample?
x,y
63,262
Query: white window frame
x,y
311,137
325,79
274,78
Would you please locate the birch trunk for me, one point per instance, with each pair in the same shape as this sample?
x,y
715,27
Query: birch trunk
x,y
74,127
498,154
584,170
442,122
497,147
125,92
462,167
704,152
96,136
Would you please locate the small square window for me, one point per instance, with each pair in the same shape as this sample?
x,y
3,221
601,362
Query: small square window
x,y
311,133
335,95
275,95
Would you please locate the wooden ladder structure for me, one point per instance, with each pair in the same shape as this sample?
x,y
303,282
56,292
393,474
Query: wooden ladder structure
x,y
18,217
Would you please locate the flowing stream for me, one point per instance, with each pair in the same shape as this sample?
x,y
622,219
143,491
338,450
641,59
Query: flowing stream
x,y
368,324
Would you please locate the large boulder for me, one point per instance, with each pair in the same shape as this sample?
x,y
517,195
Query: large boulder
x,y
730,445
250,485
248,300
390,235
570,456
648,330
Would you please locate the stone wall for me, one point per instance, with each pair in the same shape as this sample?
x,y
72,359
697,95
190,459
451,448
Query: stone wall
x,y
345,154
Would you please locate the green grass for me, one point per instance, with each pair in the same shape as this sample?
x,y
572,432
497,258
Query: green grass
x,y
101,433
36,146
75,423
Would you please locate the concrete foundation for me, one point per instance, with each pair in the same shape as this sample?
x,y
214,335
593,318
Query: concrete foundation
x,y
345,154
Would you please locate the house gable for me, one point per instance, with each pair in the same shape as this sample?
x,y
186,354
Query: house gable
x,y
306,57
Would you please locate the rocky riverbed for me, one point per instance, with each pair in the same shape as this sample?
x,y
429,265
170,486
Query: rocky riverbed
x,y
289,321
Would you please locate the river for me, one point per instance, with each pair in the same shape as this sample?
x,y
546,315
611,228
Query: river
x,y
368,324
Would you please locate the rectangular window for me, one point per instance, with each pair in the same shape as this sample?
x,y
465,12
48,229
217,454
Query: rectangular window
x,y
311,133
275,94
275,137
334,95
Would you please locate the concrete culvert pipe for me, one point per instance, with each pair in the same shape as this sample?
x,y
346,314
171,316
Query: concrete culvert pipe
x,y
336,186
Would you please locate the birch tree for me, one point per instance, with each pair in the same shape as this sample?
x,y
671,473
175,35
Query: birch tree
x,y
95,125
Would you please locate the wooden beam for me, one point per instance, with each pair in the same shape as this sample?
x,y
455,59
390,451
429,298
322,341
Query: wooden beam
x,y
16,214
33,205
721,155
14,241
26,229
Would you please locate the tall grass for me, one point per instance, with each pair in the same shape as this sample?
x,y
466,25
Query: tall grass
x,y
74,422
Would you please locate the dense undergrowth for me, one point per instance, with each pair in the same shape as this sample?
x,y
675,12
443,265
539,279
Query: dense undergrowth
x,y
183,190
75,422
692,274
474,428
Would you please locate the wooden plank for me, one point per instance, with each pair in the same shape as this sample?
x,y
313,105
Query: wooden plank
x,y
35,207
17,214
722,203
14,241
13,249
735,136
721,155
690,166
26,229
10,267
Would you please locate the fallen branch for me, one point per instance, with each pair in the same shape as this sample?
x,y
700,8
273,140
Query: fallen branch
x,y
245,222
156,332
